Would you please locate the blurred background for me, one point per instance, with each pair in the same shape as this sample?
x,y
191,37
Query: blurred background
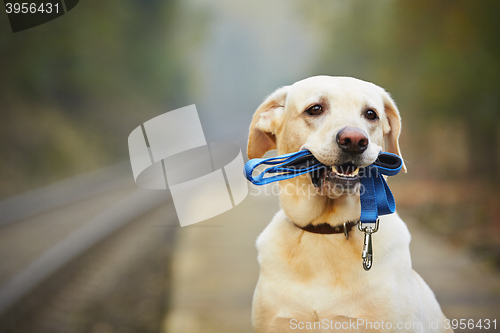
x,y
82,249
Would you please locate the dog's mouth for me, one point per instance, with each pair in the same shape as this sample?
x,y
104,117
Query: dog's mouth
x,y
347,170
336,180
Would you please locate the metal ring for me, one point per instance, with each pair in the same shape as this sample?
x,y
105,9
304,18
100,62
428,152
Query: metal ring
x,y
368,228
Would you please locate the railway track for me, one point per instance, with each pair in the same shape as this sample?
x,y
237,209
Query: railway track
x,y
90,254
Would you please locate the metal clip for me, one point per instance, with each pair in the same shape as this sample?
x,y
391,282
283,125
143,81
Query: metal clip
x,y
367,254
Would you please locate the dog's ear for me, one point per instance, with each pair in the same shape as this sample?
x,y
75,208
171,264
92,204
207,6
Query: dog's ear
x,y
265,123
392,133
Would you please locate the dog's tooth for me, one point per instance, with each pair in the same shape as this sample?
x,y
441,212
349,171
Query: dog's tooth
x,y
355,172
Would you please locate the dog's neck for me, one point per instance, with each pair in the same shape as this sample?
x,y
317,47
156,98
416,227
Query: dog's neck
x,y
305,207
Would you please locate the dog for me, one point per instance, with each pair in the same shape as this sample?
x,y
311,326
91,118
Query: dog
x,y
311,281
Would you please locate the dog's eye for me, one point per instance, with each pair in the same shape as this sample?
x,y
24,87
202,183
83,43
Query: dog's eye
x,y
315,110
371,115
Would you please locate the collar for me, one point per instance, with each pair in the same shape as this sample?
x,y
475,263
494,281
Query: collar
x,y
327,229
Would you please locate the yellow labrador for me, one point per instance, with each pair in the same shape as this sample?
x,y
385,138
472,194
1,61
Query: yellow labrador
x,y
311,281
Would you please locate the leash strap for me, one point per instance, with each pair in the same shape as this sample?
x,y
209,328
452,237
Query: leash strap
x,y
376,198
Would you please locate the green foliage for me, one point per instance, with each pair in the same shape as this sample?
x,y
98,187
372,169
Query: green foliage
x,y
74,88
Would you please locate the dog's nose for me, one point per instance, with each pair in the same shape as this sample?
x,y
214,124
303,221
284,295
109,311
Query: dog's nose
x,y
352,140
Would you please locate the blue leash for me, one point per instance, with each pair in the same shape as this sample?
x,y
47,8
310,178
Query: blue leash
x,y
376,198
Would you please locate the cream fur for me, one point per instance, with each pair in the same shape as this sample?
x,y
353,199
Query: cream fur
x,y
310,277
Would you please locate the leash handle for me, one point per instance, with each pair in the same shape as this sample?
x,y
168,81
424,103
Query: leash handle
x,y
284,166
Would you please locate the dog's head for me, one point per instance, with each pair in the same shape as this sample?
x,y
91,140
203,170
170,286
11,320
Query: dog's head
x,y
344,122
